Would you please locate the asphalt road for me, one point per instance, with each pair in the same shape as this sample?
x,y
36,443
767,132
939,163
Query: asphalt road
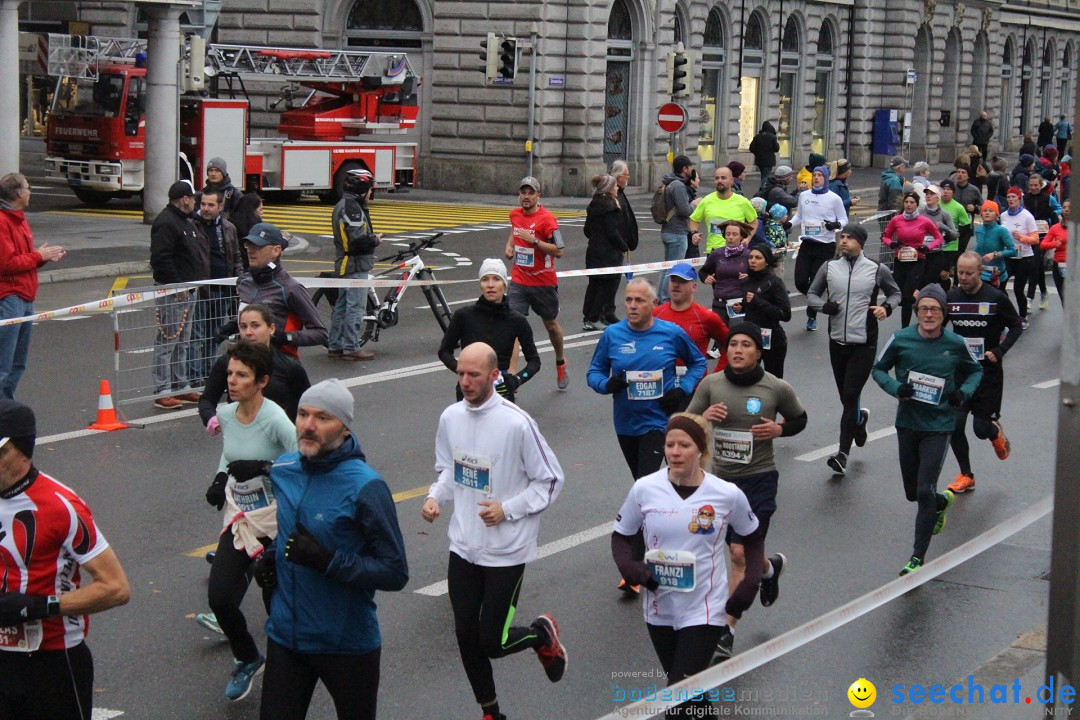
x,y
843,538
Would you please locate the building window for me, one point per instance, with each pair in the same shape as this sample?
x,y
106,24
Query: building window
x,y
753,63
790,48
617,110
384,24
619,26
823,80
679,37
713,88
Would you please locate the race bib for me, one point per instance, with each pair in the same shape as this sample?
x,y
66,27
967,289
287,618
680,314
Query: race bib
x,y
253,494
524,255
714,227
907,254
977,347
1042,226
928,389
814,229
766,338
928,240
472,472
673,569
25,637
735,446
732,312
645,384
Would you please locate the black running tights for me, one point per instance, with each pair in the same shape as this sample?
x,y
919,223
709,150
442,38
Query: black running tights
x,y
921,456
683,653
851,366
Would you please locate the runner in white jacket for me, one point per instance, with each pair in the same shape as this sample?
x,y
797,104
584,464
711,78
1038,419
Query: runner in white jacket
x,y
501,474
819,214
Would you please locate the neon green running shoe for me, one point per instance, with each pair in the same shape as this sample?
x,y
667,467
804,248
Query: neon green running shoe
x,y
950,496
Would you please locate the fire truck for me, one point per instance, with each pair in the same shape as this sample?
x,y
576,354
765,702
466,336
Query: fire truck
x,y
335,100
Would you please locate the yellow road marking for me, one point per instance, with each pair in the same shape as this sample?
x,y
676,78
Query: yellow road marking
x,y
398,497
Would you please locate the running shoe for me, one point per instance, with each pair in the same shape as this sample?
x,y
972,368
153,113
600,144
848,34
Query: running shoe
x,y
1001,444
631,590
552,655
770,587
242,678
189,397
838,463
209,621
563,379
588,326
1024,323
912,565
949,496
962,483
210,556
860,429
610,320
811,324
725,647
168,403
1043,304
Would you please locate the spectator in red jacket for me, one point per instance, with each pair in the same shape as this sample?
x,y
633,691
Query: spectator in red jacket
x,y
1057,239
19,263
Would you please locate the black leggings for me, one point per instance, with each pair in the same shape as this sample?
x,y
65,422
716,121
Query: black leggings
x,y
47,685
290,679
1037,276
1059,283
1020,271
774,357
921,456
984,430
644,453
908,275
683,653
229,582
812,255
484,601
600,297
851,366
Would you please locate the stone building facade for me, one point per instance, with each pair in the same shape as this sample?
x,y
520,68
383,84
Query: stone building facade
x,y
818,70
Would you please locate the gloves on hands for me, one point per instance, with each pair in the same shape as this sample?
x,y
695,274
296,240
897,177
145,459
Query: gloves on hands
x,y
303,549
616,383
905,391
509,385
244,470
264,569
922,250
830,308
17,608
215,494
671,402
832,225
957,398
639,575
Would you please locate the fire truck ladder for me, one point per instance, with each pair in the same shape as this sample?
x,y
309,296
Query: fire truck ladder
x,y
78,56
307,64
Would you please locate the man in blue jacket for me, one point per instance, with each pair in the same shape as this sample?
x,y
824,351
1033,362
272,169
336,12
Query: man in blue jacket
x,y
338,542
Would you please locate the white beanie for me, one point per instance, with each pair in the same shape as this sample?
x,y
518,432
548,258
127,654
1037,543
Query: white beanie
x,y
493,266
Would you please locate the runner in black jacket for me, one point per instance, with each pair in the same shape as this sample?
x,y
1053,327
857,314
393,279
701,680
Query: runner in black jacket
x,y
766,304
492,321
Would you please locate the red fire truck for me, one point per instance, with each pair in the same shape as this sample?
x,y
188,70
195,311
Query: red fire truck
x,y
96,128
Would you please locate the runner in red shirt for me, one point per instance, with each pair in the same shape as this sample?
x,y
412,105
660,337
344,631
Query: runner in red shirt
x,y
47,537
698,321
534,243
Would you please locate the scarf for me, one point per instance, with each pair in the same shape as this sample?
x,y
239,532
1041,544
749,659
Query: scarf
x,y
733,250
747,378
910,216
1015,212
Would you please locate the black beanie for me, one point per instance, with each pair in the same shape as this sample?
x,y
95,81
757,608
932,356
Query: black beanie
x,y
856,231
748,329
18,426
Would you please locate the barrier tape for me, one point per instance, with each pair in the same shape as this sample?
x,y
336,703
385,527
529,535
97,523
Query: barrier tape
x,y
96,306
803,634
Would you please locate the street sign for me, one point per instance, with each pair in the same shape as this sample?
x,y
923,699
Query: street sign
x,y
671,118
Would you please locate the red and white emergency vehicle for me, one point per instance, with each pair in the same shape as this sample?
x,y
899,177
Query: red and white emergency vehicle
x,y
96,138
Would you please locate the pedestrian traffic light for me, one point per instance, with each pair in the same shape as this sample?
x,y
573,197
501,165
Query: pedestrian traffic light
x,y
508,58
678,71
489,55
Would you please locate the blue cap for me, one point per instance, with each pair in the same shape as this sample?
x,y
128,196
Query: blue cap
x,y
778,211
684,271
264,233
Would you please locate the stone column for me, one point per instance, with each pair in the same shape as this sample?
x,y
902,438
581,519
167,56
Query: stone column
x,y
9,86
162,106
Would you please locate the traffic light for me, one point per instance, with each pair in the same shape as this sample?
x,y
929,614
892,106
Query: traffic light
x,y
490,57
679,68
508,58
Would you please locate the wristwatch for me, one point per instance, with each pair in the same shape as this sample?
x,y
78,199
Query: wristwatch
x,y
289,339
52,606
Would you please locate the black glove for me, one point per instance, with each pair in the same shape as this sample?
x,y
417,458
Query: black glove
x,y
279,338
264,569
639,575
16,608
832,225
215,494
830,308
229,328
244,470
303,549
672,400
616,383
922,250
509,385
905,391
957,398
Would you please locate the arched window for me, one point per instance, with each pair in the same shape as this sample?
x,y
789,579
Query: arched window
x,y
755,34
823,89
1007,56
787,112
680,37
791,42
825,41
714,33
711,116
619,26
384,23
753,72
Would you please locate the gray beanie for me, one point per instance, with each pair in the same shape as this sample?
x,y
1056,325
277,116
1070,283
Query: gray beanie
x,y
333,397
218,163
933,292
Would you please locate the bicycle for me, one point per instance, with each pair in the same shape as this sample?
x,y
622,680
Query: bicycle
x,y
379,316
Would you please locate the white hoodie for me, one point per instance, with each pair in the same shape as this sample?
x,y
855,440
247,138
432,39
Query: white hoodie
x,y
494,452
814,211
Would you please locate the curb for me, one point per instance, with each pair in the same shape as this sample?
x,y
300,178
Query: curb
x,y
90,272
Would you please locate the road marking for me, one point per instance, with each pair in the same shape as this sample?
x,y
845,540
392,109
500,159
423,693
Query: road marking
x,y
104,713
557,546
449,302
827,451
1047,384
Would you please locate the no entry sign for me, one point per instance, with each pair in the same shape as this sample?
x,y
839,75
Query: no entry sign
x,y
671,118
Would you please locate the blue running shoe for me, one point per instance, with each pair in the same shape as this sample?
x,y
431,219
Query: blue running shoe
x,y
811,324
242,677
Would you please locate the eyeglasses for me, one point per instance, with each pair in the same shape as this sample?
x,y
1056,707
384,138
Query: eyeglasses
x,y
927,310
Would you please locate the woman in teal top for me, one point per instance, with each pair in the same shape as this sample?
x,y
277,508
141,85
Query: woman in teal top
x,y
994,244
255,431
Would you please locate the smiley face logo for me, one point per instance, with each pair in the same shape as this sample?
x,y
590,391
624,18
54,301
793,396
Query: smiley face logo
x,y
862,693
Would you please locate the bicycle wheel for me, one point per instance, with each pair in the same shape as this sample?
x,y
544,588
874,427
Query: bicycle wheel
x,y
437,301
371,325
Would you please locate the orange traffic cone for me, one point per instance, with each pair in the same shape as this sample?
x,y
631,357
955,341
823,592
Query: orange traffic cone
x,y
106,415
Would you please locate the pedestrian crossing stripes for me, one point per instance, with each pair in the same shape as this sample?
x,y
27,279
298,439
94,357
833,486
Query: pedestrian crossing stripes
x,y
388,216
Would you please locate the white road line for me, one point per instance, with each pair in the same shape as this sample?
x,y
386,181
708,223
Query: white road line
x,y
827,451
556,546
104,714
1047,384
448,302
456,232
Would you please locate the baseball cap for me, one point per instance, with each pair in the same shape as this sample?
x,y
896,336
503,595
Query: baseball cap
x,y
263,234
180,189
683,271
531,182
